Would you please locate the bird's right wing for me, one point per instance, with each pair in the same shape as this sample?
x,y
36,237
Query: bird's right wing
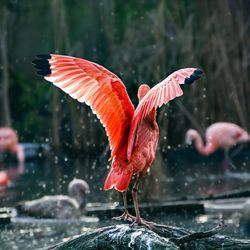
x,y
160,94
91,83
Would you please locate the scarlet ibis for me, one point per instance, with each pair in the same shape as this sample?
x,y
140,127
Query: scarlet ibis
x,y
218,135
133,133
9,143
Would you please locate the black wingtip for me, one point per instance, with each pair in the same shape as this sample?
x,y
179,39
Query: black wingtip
x,y
195,76
44,72
198,71
42,65
187,81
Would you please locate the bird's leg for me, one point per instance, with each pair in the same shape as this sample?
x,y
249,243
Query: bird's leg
x,y
125,216
237,150
227,162
138,219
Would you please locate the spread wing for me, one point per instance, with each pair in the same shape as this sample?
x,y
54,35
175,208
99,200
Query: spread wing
x,y
160,94
91,83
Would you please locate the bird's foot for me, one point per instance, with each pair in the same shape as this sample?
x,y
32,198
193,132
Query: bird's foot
x,y
142,222
126,216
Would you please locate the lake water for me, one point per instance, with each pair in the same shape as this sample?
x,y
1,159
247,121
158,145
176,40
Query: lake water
x,y
184,175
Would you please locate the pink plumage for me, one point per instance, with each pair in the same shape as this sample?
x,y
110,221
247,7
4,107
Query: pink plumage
x,y
133,134
218,135
9,143
160,94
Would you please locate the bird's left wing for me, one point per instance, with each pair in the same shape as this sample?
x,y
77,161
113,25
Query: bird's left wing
x,y
99,88
160,94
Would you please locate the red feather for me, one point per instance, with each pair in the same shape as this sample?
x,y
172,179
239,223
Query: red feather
x,y
102,90
160,94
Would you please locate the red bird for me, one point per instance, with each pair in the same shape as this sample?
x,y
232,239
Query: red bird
x,y
133,133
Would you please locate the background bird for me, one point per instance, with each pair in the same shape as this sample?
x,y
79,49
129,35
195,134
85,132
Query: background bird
x,y
58,206
9,143
133,133
4,179
223,135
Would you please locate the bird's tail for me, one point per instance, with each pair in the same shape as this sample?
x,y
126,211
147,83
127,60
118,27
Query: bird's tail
x,y
117,179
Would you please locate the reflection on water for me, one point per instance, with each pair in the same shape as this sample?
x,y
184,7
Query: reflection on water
x,y
182,177
184,174
52,177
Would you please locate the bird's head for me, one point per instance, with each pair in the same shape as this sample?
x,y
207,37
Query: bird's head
x,y
8,139
242,136
79,190
142,91
190,136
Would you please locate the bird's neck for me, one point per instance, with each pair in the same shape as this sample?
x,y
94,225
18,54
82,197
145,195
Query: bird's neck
x,y
151,118
205,149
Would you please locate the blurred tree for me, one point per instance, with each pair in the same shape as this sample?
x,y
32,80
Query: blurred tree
x,y
57,12
140,41
6,114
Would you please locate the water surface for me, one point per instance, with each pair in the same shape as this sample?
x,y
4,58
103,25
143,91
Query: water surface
x,y
177,181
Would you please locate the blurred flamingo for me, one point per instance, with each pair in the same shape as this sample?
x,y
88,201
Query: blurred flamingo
x,y
4,179
133,134
9,143
223,135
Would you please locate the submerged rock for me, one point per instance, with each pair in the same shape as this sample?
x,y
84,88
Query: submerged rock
x,y
117,237
161,237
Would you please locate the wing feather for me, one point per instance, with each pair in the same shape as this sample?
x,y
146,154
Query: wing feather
x,y
99,88
160,94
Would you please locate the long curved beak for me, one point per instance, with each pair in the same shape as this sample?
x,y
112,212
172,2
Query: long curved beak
x,y
188,141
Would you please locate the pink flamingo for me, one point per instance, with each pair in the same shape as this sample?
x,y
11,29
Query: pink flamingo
x,y
132,133
218,135
9,143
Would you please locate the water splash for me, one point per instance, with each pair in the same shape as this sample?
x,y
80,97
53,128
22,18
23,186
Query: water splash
x,y
133,238
145,237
